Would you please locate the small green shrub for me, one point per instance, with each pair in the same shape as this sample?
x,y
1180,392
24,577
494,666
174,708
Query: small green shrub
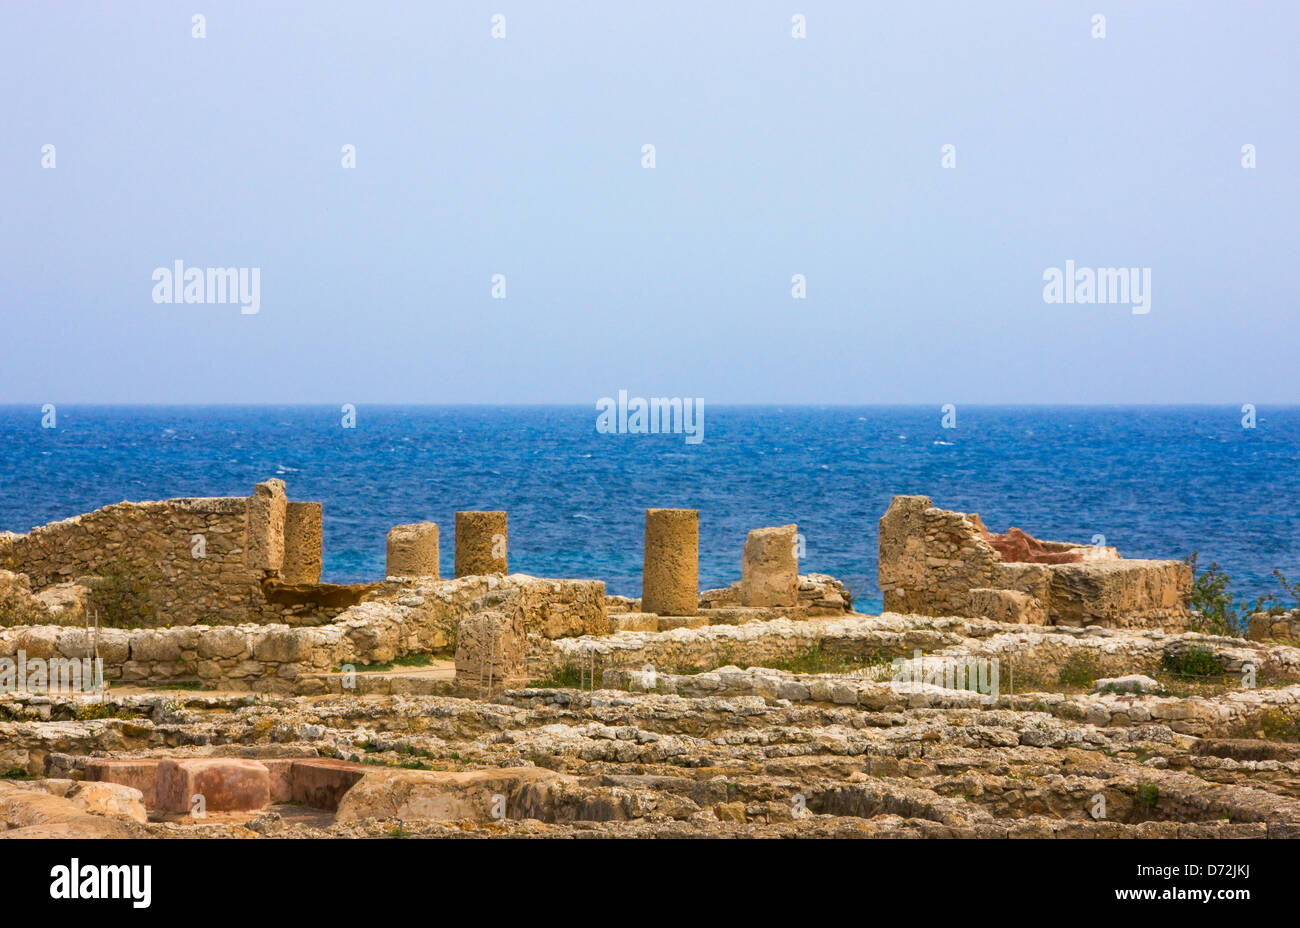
x,y
817,659
1292,589
568,677
1217,612
1194,661
1148,795
121,600
1079,670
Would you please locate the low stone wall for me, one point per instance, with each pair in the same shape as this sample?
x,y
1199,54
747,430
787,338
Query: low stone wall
x,y
937,562
1040,651
402,618
1282,626
816,595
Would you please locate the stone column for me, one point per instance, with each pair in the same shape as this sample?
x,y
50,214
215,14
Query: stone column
x,y
769,572
480,543
413,550
264,531
302,543
670,578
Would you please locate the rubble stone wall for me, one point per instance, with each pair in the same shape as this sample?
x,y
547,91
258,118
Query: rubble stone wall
x,y
401,619
1283,626
937,562
183,557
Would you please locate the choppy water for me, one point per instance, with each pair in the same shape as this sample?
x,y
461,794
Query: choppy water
x,y
1156,482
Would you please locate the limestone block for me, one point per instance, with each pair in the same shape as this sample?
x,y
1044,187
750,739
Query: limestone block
x,y
1121,592
227,784
302,543
413,550
481,543
137,773
17,604
322,782
279,645
436,796
770,568
264,534
1006,606
111,799
491,652
670,576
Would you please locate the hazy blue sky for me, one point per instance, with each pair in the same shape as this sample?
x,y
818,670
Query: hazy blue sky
x,y
774,156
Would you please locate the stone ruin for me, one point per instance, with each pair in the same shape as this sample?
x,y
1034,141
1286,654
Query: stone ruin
x,y
236,582
936,562
766,708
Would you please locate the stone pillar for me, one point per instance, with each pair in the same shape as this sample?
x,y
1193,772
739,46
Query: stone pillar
x,y
302,543
491,652
413,550
480,543
670,577
769,572
901,555
264,527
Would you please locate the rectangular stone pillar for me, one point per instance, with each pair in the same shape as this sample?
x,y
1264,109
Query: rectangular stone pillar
x,y
302,543
491,652
413,550
264,527
670,577
770,568
480,543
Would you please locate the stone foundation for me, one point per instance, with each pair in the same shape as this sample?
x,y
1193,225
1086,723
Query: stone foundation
x,y
398,619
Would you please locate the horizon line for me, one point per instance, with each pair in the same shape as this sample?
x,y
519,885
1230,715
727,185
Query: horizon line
x,y
592,405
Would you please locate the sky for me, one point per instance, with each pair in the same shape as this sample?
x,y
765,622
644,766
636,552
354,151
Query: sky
x,y
774,156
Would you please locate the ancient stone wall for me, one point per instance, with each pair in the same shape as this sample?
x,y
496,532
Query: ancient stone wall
x,y
176,561
491,652
213,560
400,619
937,562
1281,626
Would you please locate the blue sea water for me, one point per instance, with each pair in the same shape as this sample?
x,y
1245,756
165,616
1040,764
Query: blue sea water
x,y
1156,482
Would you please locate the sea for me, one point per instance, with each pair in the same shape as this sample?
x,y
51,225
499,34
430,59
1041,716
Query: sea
x,y
1158,482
